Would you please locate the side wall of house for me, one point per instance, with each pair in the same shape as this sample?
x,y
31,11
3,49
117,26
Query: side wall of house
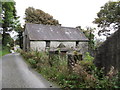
x,y
26,41
67,44
38,45
41,45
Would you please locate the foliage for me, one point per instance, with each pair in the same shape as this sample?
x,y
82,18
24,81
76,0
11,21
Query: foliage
x,y
9,14
8,40
0,12
38,16
9,20
88,57
108,16
87,75
32,62
99,80
87,63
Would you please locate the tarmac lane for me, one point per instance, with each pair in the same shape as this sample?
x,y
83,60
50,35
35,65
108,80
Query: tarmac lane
x,y
17,74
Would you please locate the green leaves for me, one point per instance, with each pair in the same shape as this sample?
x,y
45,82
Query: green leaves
x,y
32,62
109,15
9,19
88,57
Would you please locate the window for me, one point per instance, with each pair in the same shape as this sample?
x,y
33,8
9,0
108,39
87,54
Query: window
x,y
47,43
25,42
77,43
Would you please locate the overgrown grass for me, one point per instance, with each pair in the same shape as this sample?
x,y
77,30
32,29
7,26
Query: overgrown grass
x,y
55,69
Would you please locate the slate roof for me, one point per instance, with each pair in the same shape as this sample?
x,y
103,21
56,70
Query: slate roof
x,y
55,33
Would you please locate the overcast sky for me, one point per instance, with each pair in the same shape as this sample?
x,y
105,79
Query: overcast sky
x,y
69,13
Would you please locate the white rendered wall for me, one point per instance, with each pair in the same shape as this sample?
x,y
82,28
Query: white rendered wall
x,y
38,45
41,45
55,44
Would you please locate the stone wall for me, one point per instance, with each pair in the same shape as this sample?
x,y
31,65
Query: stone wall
x,y
108,54
37,45
68,44
41,45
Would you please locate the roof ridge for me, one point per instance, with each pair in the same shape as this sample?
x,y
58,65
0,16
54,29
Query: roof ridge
x,y
53,25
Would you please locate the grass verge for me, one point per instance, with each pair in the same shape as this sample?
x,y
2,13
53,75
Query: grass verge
x,y
4,51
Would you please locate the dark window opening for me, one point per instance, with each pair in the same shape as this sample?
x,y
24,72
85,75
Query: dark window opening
x,y
47,43
25,42
77,43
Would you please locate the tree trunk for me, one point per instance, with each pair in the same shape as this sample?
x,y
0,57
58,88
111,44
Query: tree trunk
x,y
4,34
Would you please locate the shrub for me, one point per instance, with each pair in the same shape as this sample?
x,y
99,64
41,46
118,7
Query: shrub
x,y
88,57
87,63
5,50
32,62
8,40
56,70
101,81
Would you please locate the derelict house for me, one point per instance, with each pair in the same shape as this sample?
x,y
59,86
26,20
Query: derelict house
x,y
39,37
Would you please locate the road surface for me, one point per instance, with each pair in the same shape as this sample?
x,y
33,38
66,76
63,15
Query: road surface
x,y
17,74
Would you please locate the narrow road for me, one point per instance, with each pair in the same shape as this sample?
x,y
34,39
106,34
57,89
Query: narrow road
x,y
17,74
